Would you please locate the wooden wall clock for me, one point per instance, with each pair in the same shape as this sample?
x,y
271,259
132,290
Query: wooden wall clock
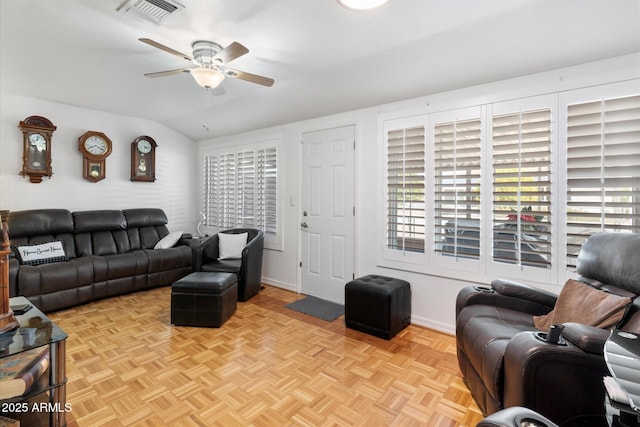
x,y
36,148
143,159
95,148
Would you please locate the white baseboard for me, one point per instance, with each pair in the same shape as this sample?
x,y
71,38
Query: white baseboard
x,y
431,324
279,284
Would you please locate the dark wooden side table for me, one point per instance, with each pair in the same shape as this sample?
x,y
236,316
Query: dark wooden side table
x,y
54,405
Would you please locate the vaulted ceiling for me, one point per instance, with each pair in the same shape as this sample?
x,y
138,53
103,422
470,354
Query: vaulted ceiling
x,y
324,58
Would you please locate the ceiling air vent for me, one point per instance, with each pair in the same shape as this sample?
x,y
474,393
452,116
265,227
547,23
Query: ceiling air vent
x,y
155,11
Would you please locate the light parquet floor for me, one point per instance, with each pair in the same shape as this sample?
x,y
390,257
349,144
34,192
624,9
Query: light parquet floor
x,y
267,366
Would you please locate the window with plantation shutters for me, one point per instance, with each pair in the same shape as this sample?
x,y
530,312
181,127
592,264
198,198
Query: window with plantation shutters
x,y
405,203
521,199
603,169
457,188
240,190
267,186
220,190
246,189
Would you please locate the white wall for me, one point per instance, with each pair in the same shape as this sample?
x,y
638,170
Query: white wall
x,y
174,190
433,298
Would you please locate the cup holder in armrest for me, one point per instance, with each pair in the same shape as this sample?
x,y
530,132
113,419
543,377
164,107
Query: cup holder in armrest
x,y
543,336
530,422
485,289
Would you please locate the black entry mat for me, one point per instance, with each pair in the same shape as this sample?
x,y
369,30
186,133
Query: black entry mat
x,y
316,307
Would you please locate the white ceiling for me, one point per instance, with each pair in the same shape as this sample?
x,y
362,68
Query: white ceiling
x,y
324,58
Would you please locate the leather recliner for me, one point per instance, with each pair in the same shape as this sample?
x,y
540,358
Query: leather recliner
x,y
248,268
505,360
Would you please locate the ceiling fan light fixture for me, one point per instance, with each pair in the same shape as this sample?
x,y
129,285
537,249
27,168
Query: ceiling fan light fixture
x,y
207,77
362,4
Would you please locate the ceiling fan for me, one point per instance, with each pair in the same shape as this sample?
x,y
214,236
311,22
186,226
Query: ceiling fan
x,y
211,60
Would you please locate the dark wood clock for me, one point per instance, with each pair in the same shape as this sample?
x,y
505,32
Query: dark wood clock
x,y
95,148
143,159
36,149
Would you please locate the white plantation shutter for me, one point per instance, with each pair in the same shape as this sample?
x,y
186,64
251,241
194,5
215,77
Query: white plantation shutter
x,y
603,169
240,190
521,188
267,186
406,189
457,148
246,189
220,190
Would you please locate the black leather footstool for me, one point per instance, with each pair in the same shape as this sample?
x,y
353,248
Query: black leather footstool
x,y
377,305
204,299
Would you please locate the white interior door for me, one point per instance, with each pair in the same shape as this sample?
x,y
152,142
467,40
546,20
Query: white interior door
x,y
327,220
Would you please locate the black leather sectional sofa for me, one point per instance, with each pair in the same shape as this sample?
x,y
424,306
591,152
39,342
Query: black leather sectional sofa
x,y
106,252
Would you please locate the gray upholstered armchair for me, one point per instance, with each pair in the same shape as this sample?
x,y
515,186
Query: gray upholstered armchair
x,y
246,264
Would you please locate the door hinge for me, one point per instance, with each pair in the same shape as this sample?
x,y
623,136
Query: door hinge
x,y
300,264
354,144
354,211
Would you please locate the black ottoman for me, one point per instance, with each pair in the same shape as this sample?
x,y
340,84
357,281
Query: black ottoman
x,y
377,305
204,299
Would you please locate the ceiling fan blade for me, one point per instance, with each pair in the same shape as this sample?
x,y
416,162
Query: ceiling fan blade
x,y
253,78
165,48
234,51
168,73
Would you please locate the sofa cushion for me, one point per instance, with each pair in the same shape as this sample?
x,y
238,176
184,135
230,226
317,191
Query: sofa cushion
x,y
102,220
581,303
223,265
38,222
145,217
40,226
51,278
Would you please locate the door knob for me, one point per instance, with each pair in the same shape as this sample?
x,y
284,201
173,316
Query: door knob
x,y
304,225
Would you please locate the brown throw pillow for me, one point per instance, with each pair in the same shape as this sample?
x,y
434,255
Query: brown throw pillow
x,y
580,303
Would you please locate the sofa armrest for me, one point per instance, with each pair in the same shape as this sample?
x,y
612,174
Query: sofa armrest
x,y
205,249
560,381
507,294
521,291
251,269
587,338
514,416
186,236
14,265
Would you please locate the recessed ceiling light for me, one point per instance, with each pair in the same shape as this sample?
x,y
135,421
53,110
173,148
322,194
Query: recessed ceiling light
x,y
362,4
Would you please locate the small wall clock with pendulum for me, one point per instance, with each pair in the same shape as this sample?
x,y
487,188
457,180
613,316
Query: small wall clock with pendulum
x,y
143,159
36,148
95,148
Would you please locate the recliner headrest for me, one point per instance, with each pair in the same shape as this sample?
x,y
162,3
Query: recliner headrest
x,y
104,220
145,217
612,258
39,222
